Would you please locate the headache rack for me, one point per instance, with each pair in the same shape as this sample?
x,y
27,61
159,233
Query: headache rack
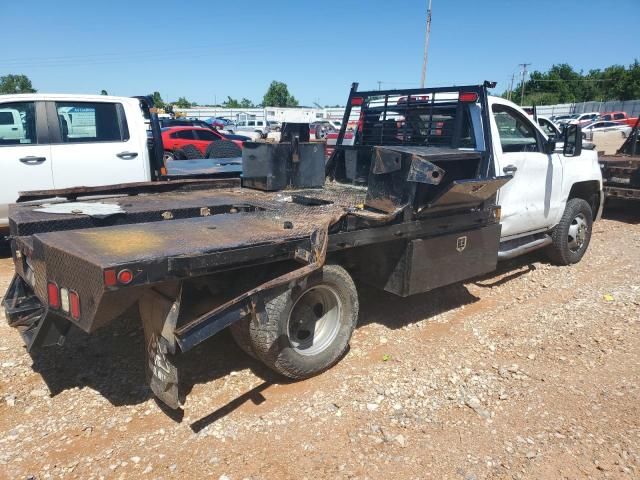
x,y
424,117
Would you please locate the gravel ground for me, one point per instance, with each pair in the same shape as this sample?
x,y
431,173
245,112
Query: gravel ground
x,y
531,372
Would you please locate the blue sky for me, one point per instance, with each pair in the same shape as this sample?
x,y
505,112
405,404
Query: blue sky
x,y
206,50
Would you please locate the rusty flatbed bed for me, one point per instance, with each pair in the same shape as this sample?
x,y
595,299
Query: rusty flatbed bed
x,y
621,176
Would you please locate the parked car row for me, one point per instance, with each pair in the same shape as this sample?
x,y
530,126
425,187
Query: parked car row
x,y
592,122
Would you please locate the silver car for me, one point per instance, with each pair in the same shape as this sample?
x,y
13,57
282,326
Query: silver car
x,y
588,130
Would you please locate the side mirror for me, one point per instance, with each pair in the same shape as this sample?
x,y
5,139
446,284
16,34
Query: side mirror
x,y
572,141
550,145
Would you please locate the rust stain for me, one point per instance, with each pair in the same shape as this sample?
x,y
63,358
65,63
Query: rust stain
x,y
127,242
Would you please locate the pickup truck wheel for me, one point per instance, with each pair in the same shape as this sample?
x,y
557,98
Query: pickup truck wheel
x,y
572,234
308,330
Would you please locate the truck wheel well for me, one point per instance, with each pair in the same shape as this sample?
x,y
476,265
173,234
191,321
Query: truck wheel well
x,y
588,191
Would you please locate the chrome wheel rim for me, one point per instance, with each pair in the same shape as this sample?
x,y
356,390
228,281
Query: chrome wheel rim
x,y
167,156
314,320
577,233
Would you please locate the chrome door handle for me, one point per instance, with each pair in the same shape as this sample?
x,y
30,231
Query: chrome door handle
x,y
127,155
510,169
32,160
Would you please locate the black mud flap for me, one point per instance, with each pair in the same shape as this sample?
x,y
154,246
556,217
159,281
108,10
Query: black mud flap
x,y
159,311
26,313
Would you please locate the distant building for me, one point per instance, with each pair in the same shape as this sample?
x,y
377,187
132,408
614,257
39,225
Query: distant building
x,y
279,114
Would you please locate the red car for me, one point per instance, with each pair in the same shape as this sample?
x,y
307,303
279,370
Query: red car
x,y
174,138
618,117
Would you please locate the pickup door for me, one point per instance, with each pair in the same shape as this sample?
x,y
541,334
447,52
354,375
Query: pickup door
x,y
532,201
95,144
25,156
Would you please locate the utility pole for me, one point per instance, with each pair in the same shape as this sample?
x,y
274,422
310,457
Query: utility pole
x,y
513,77
524,74
379,85
426,46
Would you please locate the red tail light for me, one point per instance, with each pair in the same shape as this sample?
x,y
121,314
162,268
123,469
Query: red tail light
x,y
357,101
54,295
74,305
468,97
109,278
125,276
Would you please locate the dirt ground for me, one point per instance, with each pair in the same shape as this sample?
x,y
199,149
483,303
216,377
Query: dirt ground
x,y
531,372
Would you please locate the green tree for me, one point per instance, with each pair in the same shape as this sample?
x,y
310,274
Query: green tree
x,y
157,100
16,84
278,96
562,84
104,92
231,103
246,103
182,102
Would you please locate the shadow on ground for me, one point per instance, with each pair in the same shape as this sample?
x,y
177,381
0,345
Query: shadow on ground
x,y
111,361
627,211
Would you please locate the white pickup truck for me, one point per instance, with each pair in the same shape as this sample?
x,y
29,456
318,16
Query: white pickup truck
x,y
57,141
433,187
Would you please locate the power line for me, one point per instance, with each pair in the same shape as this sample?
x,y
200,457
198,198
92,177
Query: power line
x,y
513,76
524,74
426,46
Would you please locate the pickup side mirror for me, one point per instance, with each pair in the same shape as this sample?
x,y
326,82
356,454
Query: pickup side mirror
x,y
572,141
550,145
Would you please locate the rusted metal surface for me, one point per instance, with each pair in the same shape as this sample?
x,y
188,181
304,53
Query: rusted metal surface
x,y
621,176
128,188
230,227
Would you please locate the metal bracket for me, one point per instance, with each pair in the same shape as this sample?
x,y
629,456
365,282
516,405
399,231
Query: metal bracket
x,y
159,311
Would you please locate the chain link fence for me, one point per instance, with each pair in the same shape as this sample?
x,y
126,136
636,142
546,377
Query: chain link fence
x,y
632,107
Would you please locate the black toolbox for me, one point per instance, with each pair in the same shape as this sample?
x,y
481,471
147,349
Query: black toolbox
x,y
276,166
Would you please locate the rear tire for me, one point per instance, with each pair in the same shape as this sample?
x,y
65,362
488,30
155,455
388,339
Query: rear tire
x,y
572,235
308,329
179,154
168,155
192,152
223,149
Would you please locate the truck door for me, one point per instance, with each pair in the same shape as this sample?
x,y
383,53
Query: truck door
x,y
25,156
530,201
94,145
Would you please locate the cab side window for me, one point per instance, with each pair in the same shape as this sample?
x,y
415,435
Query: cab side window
x,y
517,134
18,124
82,122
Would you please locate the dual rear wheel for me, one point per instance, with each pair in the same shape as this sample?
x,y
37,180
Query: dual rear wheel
x,y
307,329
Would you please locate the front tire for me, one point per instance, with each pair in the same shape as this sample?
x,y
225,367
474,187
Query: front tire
x,y
572,235
308,329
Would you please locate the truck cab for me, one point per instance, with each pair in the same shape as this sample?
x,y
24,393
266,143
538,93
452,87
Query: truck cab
x,y
50,141
543,179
